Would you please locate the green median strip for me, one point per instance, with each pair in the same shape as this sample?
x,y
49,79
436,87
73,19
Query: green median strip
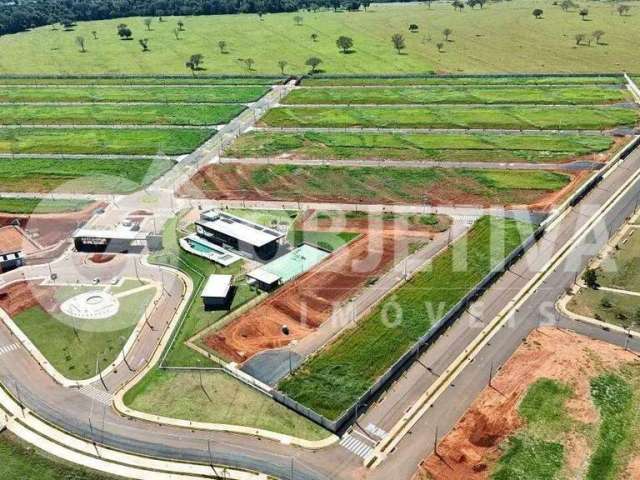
x,y
511,117
334,379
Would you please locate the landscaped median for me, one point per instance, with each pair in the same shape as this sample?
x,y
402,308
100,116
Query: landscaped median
x,y
336,377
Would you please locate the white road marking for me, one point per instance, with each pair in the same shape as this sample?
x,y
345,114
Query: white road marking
x,y
9,348
376,431
355,446
101,396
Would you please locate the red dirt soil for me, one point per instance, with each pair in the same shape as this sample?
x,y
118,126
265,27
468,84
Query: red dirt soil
x,y
101,258
13,239
472,448
304,304
51,228
20,296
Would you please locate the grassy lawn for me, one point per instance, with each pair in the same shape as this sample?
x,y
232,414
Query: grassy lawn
x,y
370,184
579,95
227,94
102,141
138,80
325,240
227,400
501,37
77,175
462,80
615,308
621,269
415,146
269,218
338,375
73,346
195,318
37,205
20,461
511,117
96,114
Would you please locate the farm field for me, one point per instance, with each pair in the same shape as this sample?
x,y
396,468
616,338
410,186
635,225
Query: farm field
x,y
125,93
502,37
476,147
41,206
73,346
94,141
111,114
135,80
373,185
504,117
461,80
333,379
393,95
561,407
97,175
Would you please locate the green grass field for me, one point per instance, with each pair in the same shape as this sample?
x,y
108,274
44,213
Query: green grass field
x,y
37,205
502,37
621,268
20,461
148,141
614,308
373,185
508,117
155,80
73,346
475,147
227,400
346,81
157,114
338,375
580,95
328,241
78,175
120,93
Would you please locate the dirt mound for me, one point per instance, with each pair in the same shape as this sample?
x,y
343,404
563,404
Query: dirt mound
x,y
21,296
13,239
473,446
101,258
140,213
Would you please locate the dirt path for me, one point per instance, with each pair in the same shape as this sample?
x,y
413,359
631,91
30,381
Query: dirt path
x,y
472,448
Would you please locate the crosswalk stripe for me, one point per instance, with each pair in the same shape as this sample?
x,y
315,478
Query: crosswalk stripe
x,y
355,446
103,397
377,431
8,348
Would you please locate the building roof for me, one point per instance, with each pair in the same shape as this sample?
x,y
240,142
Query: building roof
x,y
120,234
217,286
239,228
263,276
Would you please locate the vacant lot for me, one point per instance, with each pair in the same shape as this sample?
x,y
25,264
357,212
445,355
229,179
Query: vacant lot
x,y
41,206
509,117
561,407
149,141
476,147
87,80
369,184
500,37
621,268
337,376
157,114
79,175
122,93
579,95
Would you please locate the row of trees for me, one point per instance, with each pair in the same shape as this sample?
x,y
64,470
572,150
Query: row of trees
x,y
21,15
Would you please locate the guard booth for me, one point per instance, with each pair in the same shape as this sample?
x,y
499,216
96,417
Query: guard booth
x,y
10,260
217,294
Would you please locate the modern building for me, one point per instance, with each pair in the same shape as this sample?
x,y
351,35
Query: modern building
x,y
240,235
10,260
110,241
217,293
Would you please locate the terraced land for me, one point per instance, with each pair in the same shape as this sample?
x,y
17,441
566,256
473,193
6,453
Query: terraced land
x,y
374,185
494,117
333,379
472,147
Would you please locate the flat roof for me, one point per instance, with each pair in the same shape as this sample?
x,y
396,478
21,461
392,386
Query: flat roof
x,y
263,276
291,265
119,234
249,232
217,286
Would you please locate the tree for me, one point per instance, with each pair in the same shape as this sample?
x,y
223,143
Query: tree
x,y
458,5
597,35
623,9
440,45
249,63
181,25
197,59
144,43
397,39
314,37
353,6
446,33
579,38
80,43
538,13
314,63
344,43
222,45
590,277
298,19
336,4
176,33
584,13
566,5
95,35
282,64
413,28
124,32
366,4
147,23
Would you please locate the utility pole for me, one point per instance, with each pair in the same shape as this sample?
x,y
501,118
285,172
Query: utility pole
x,y
435,442
491,374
